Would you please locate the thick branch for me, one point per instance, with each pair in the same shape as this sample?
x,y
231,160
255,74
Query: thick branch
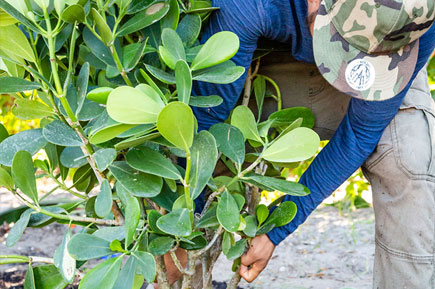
x,y
162,277
235,280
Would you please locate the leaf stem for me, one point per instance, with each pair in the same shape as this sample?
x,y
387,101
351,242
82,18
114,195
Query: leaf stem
x,y
189,200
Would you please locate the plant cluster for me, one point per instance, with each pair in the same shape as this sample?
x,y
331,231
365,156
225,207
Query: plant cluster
x,y
111,82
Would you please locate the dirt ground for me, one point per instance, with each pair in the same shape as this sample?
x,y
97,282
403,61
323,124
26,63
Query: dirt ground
x,y
328,251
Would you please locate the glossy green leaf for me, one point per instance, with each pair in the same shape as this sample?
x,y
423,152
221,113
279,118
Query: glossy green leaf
x,y
9,84
152,162
29,281
188,29
205,101
17,230
230,142
288,115
243,118
270,183
228,212
160,245
73,157
139,51
109,132
262,212
103,203
176,223
30,109
6,179
14,42
168,58
139,5
73,13
84,247
110,233
59,133
63,260
217,49
297,145
59,5
82,86
183,78
103,29
227,239
260,93
144,18
151,93
137,183
99,49
132,217
3,133
132,106
102,276
99,94
251,226
11,10
204,157
171,18
209,219
161,75
48,277
176,124
30,140
237,250
196,243
282,215
172,42
126,276
104,157
116,246
146,265
226,72
23,174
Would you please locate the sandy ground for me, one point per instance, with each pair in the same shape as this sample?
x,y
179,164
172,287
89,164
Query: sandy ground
x,y
328,251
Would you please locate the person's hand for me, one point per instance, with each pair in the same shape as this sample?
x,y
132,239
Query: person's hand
x,y
256,259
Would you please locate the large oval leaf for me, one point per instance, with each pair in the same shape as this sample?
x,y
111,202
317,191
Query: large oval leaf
x,y
176,124
217,49
204,157
288,115
145,265
9,84
18,229
297,145
30,109
103,202
144,18
176,223
73,157
228,212
73,13
137,183
30,140
150,161
188,29
13,42
59,133
63,260
223,73
243,118
132,106
24,174
282,215
230,142
84,247
132,216
173,44
126,276
271,184
102,276
183,78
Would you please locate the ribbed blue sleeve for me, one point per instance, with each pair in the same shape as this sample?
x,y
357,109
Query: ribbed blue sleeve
x,y
353,142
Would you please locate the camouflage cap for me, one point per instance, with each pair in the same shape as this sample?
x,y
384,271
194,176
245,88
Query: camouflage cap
x,y
368,48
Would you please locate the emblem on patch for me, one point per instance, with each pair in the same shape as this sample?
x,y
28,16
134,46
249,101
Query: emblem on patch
x,y
360,74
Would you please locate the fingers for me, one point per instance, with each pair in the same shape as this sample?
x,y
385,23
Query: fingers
x,y
250,274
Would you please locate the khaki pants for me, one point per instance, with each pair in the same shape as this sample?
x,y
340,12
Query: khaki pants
x,y
401,170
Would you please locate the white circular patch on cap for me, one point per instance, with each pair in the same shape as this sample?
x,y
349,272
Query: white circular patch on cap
x,y
360,74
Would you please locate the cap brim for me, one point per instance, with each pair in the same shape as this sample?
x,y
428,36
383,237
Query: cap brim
x,y
358,74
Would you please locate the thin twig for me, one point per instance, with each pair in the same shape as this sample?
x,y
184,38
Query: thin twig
x,y
209,245
235,280
178,264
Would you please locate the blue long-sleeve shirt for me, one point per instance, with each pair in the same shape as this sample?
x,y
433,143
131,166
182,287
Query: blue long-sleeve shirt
x,y
360,129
